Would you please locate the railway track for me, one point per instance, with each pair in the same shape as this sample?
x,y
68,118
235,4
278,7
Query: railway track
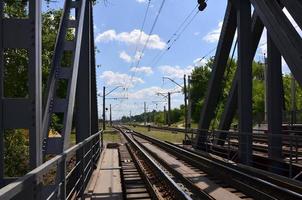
x,y
147,175
133,184
242,182
257,137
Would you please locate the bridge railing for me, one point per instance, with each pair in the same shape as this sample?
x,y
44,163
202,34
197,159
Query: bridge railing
x,y
64,176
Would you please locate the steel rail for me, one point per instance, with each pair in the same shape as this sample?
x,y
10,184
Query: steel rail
x,y
232,175
189,184
257,137
172,184
268,176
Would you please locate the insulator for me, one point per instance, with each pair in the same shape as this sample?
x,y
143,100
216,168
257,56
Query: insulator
x,y
202,5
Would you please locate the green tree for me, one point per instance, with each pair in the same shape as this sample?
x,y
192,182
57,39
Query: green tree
x,y
200,77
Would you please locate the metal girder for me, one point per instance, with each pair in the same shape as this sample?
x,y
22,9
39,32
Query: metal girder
x,y
245,81
22,112
282,32
232,101
274,100
83,92
294,7
221,58
67,104
94,105
229,111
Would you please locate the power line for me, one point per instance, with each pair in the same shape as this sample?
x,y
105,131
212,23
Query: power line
x,y
141,32
182,28
151,31
148,39
139,38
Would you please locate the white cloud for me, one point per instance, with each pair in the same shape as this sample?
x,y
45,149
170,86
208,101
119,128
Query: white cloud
x,y
132,38
115,79
106,36
199,62
138,56
125,57
141,1
175,71
214,35
150,92
144,70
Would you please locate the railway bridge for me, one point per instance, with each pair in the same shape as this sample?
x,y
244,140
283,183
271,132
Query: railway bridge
x,y
216,164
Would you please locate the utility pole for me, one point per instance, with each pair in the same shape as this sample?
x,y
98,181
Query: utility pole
x,y
130,117
110,115
169,109
189,103
185,100
104,107
165,115
104,103
145,116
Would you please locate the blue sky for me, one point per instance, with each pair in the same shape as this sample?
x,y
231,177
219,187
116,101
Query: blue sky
x,y
118,36
117,33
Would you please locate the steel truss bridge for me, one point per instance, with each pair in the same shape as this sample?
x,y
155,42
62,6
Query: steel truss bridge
x,y
71,168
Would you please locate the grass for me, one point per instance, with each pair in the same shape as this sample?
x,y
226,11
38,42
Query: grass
x,y
161,135
111,135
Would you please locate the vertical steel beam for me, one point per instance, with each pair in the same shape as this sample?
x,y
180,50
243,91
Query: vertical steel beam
x,y
244,80
274,100
35,84
293,102
189,103
83,98
214,88
23,112
94,105
1,93
232,101
186,102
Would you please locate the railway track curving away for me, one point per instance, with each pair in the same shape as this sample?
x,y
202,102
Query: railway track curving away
x,y
185,174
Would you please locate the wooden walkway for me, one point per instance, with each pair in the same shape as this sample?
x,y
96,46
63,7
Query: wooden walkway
x,y
106,180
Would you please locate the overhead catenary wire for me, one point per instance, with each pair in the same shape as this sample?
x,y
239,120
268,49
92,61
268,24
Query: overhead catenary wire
x,y
172,42
148,39
141,32
151,31
139,38
175,33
